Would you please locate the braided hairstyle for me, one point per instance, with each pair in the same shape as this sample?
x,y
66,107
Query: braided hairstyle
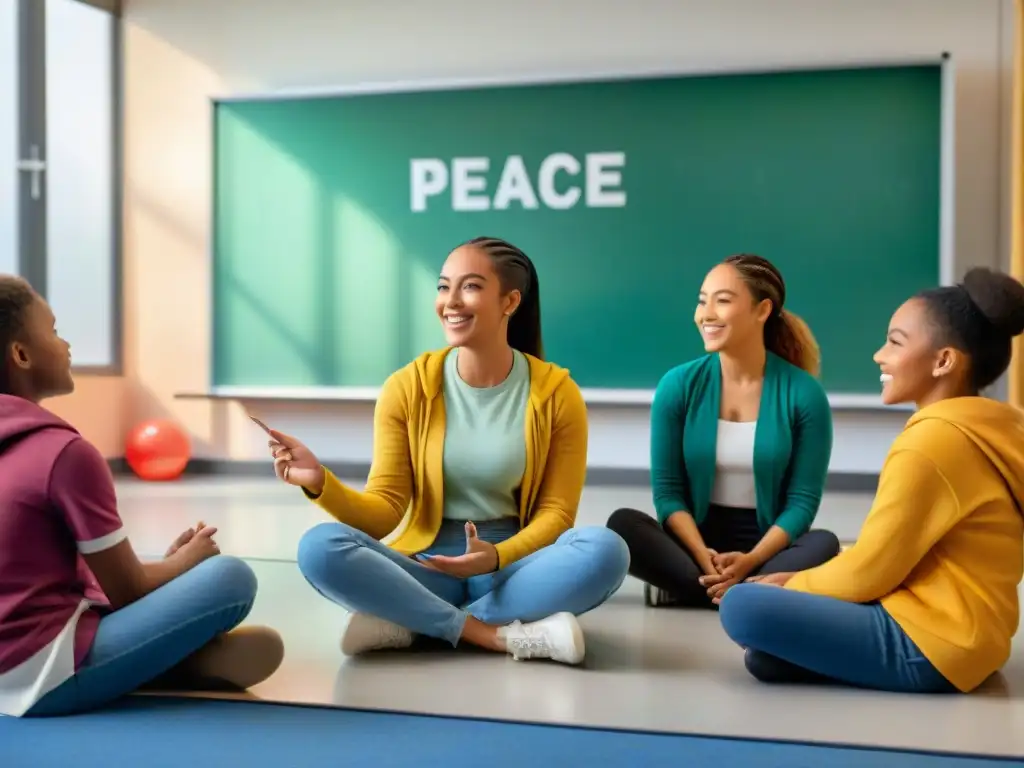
x,y
16,296
785,334
978,317
516,273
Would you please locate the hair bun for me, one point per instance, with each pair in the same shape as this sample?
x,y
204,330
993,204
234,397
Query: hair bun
x,y
1000,298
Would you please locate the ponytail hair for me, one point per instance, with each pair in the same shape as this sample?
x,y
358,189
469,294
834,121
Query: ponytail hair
x,y
517,273
789,337
785,334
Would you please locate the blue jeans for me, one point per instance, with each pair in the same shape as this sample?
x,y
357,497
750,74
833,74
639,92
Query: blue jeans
x,y
581,570
138,643
797,637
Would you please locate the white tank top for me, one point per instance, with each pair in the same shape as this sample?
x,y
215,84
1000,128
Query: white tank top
x,y
734,465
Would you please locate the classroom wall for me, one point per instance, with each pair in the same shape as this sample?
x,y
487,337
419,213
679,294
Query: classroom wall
x,y
180,53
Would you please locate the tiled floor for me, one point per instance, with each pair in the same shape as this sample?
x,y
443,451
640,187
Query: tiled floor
x,y
658,669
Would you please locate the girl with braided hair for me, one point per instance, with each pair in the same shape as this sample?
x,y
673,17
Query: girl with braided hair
x,y
464,531
740,445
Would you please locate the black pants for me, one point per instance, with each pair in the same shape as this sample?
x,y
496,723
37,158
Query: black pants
x,y
660,559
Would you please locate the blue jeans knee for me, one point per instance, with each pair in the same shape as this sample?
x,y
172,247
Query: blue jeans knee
x,y
232,578
322,550
742,610
607,558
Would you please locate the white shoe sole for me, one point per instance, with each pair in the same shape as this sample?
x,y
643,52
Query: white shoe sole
x,y
579,642
579,646
362,633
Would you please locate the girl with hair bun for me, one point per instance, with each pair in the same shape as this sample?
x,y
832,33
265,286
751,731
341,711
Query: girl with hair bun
x,y
926,600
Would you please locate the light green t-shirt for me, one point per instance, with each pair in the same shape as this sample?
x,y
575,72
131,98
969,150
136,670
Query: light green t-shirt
x,y
484,443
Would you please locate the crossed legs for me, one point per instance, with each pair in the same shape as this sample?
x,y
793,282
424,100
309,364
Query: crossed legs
x,y
572,576
795,637
658,558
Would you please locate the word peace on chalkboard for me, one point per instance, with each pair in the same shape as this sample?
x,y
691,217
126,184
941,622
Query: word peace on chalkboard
x,y
334,214
468,181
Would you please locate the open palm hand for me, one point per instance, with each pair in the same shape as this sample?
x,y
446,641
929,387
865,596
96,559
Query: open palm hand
x,y
481,557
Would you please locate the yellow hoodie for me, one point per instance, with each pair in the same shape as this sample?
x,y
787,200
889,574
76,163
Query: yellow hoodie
x,y
404,496
943,545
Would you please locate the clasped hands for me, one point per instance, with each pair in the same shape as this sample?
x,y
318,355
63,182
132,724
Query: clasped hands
x,y
480,557
197,544
724,571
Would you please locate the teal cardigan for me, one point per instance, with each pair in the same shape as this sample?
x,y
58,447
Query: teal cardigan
x,y
792,444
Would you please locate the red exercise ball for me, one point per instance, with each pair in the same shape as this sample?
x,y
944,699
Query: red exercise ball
x,y
157,450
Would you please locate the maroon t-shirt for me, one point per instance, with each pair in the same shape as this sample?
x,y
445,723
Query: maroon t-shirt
x,y
57,502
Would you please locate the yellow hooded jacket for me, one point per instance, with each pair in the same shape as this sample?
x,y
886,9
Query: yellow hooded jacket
x,y
403,500
942,548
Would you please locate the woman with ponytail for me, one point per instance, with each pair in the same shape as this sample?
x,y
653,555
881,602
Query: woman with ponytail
x,y
464,531
740,445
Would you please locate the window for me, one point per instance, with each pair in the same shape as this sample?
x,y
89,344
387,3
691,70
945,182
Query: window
x,y
9,66
62,217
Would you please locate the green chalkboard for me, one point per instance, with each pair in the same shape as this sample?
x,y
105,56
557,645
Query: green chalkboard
x,y
333,215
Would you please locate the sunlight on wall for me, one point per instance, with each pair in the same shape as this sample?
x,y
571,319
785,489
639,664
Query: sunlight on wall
x,y
167,198
366,254
96,410
275,235
426,332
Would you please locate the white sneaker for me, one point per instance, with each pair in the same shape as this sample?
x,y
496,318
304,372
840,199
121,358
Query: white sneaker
x,y
364,632
558,637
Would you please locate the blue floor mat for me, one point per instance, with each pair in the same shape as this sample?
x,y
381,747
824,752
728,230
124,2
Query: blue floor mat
x,y
149,732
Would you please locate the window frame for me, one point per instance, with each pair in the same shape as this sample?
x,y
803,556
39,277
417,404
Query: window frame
x,y
33,262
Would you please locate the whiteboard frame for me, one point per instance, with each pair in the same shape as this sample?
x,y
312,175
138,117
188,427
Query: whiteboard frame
x,y
591,396
602,396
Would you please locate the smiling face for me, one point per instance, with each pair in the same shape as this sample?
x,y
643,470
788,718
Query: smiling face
x,y
913,368
471,304
727,314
